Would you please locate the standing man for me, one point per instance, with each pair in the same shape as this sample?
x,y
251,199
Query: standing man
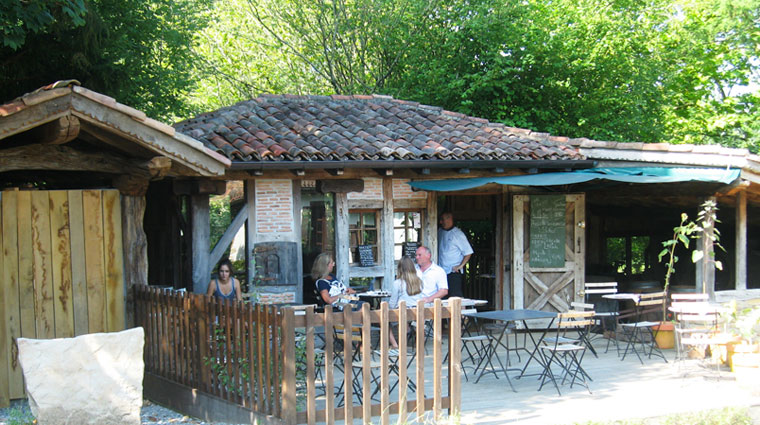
x,y
434,284
453,253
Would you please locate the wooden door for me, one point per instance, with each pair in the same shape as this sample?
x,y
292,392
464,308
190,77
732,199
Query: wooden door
x,y
61,270
554,277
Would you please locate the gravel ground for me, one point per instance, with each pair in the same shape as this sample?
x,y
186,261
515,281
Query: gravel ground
x,y
151,414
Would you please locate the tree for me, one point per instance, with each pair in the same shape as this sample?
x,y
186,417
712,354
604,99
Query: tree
x,y
18,17
136,51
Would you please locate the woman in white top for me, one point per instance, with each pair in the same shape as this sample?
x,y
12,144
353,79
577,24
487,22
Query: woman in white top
x,y
407,287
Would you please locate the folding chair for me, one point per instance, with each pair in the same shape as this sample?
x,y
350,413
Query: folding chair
x,y
587,338
696,326
636,331
593,292
476,347
567,349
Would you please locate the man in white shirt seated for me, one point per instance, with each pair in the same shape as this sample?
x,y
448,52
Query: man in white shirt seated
x,y
434,283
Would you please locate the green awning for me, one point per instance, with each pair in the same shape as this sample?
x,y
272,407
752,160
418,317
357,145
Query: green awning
x,y
618,174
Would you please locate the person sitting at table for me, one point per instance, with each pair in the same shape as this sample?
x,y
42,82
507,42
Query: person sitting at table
x,y
434,282
331,290
224,287
407,287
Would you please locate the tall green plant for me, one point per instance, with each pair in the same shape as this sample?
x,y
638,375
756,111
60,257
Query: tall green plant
x,y
684,233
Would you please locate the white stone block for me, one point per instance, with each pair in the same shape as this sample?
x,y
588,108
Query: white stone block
x,y
90,379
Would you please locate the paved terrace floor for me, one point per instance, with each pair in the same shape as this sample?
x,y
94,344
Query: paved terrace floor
x,y
621,389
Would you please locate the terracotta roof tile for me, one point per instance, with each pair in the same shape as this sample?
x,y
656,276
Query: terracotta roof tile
x,y
361,127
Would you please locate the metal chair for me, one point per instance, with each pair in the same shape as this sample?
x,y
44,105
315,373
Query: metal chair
x,y
696,326
636,331
592,292
567,349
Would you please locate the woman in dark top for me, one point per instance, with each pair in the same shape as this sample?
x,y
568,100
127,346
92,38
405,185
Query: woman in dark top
x,y
225,286
331,290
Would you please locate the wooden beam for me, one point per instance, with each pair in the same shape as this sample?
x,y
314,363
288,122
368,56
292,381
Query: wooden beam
x,y
341,237
200,234
740,282
35,115
335,172
61,130
340,186
298,173
250,228
386,233
228,236
430,232
384,172
199,187
64,158
135,246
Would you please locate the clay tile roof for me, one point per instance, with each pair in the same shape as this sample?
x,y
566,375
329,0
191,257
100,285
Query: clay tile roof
x,y
361,127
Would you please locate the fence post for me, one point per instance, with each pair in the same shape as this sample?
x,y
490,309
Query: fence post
x,y
288,335
200,316
455,356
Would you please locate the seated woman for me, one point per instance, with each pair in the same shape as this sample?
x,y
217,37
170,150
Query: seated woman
x,y
331,290
224,286
407,287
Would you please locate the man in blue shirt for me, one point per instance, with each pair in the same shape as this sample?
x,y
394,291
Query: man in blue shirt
x,y
454,251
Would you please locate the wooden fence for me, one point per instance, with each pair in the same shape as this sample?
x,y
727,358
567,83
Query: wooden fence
x,y
267,359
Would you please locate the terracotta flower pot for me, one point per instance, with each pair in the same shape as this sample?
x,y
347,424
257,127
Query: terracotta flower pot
x,y
664,335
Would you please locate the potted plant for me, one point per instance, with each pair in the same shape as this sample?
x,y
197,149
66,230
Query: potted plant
x,y
682,234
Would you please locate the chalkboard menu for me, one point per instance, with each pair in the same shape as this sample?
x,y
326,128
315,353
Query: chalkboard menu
x,y
547,231
366,257
410,249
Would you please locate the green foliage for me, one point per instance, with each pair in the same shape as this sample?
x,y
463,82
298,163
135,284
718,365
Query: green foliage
x,y
222,366
20,415
219,219
136,51
18,18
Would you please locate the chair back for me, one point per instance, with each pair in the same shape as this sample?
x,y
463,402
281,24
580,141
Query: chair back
x,y
576,306
575,319
600,288
688,301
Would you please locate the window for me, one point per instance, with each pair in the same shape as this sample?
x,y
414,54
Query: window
x,y
628,255
317,224
407,227
362,230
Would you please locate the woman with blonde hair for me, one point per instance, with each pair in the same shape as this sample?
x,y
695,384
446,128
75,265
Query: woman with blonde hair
x,y
407,287
331,290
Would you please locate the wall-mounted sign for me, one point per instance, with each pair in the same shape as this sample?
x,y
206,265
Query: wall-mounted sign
x,y
366,256
547,231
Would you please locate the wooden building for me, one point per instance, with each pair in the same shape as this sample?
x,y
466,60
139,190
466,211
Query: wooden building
x,y
74,168
362,175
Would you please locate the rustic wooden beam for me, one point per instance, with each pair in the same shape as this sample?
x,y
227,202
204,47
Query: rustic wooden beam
x,y
341,237
250,228
199,187
386,234
335,171
228,236
740,282
33,115
384,172
61,130
340,186
64,158
135,245
131,185
200,234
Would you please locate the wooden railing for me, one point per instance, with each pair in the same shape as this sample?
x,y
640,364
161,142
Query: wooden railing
x,y
265,358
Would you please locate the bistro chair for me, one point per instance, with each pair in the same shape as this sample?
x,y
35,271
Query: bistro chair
x,y
476,347
592,294
696,326
567,349
641,331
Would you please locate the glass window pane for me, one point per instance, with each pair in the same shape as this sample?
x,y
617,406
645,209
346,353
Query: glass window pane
x,y
397,252
369,219
370,237
414,236
416,220
398,236
353,220
398,219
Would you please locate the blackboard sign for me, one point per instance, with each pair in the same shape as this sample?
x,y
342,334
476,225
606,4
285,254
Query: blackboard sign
x,y
547,231
366,257
410,249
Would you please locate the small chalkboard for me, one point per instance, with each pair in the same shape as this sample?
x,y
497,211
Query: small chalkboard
x,y
410,249
366,256
547,231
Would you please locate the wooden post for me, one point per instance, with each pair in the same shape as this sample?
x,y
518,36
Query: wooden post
x,y
135,245
437,358
386,233
455,357
289,366
741,241
500,245
201,234
341,237
518,231
250,229
297,233
430,232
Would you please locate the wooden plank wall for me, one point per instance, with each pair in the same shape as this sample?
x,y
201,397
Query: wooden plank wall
x,y
61,269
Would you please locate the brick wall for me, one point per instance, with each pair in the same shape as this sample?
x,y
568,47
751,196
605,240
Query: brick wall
x,y
285,297
373,189
401,190
274,206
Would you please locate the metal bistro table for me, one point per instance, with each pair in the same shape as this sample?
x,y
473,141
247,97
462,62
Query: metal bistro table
x,y
514,316
373,297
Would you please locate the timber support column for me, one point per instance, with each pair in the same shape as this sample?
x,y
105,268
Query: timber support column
x,y
201,234
135,245
741,241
